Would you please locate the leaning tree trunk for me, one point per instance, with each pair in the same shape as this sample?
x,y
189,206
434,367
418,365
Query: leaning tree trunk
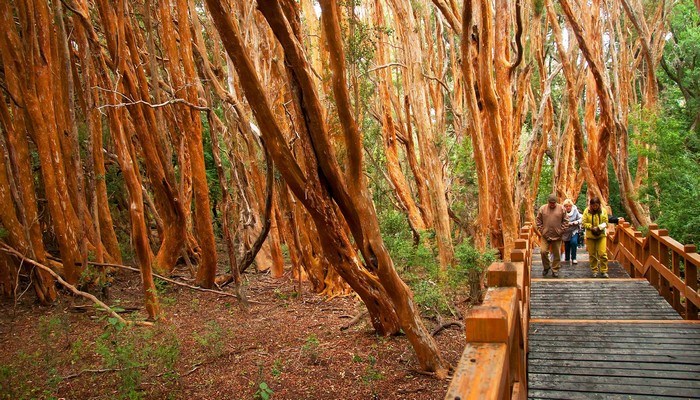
x,y
401,296
130,171
337,247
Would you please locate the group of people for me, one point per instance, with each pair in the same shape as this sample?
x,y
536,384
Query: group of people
x,y
561,223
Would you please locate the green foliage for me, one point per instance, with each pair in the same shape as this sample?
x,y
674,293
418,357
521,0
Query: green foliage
x,y
211,339
417,264
130,352
264,392
538,7
163,292
49,327
277,367
3,233
681,53
310,349
671,189
674,172
119,353
469,261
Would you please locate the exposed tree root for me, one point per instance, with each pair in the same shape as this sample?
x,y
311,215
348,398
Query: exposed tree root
x,y
447,325
354,321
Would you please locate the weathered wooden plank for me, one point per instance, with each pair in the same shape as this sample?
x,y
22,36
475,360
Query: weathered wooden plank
x,y
684,327
649,358
571,395
603,379
610,369
606,343
622,365
566,340
595,384
608,316
667,356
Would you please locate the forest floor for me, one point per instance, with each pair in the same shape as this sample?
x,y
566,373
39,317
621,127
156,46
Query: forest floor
x,y
286,345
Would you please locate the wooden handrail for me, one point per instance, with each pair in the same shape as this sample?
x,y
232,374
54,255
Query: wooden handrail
x,y
671,267
494,362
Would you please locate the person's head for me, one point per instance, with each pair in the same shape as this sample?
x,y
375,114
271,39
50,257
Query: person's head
x,y
552,200
568,204
594,204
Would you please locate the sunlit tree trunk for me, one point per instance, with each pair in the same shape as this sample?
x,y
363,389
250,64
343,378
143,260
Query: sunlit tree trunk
x,y
401,296
337,249
475,132
572,103
612,128
390,142
32,59
158,167
430,156
130,170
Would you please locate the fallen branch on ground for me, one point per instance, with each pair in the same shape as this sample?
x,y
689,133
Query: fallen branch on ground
x,y
99,371
165,279
7,249
447,325
354,321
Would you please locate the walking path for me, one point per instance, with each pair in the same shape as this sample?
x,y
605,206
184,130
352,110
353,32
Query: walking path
x,y
613,338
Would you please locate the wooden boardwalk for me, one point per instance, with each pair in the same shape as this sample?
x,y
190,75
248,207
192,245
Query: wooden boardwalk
x,y
613,338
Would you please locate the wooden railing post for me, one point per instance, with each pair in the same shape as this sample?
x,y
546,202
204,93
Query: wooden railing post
x,y
664,285
653,251
691,282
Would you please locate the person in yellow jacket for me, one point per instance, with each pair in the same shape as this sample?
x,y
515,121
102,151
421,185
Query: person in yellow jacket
x,y
595,220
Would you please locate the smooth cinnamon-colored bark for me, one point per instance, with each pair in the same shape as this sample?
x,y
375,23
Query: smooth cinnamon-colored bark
x,y
612,128
475,132
39,96
573,104
423,343
390,142
430,157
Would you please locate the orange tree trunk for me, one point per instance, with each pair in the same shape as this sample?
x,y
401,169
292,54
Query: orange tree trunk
x,y
417,90
337,247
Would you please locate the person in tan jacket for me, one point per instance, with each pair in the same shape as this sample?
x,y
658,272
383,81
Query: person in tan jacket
x,y
552,221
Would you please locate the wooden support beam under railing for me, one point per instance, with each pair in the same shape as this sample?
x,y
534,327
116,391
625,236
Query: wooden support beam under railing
x,y
671,267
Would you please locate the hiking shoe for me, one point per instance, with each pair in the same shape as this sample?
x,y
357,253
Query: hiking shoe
x,y
555,274
574,262
545,272
594,275
604,275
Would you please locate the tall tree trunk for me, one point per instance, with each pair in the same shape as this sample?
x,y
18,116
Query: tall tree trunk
x,y
430,156
401,296
398,180
476,134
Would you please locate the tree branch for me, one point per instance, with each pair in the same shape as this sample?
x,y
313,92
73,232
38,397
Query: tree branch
x,y
173,281
151,105
9,250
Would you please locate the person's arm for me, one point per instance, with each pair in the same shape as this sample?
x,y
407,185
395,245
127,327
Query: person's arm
x,y
538,221
587,221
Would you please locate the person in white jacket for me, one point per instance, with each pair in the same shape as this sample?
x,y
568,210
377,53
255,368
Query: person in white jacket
x,y
570,235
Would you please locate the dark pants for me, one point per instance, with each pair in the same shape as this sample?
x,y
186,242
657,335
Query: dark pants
x,y
570,248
